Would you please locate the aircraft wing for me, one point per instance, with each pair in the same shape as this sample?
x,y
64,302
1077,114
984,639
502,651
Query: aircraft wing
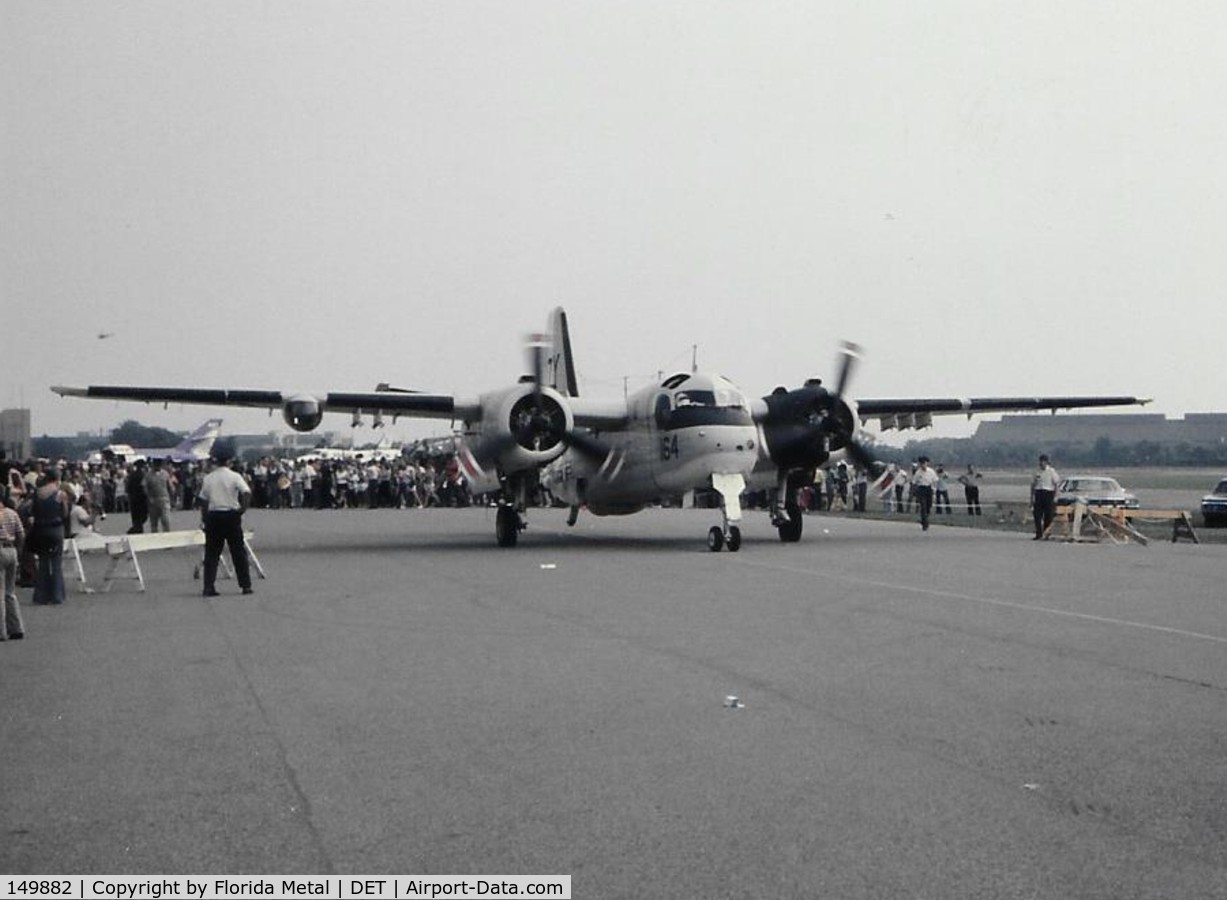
x,y
604,415
399,403
909,412
601,415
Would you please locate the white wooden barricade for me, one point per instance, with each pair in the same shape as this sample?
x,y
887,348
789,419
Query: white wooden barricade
x,y
128,547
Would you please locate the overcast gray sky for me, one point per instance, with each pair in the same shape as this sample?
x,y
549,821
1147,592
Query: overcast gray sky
x,y
993,198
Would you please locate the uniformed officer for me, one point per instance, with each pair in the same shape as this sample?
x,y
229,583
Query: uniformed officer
x,y
923,480
1044,496
224,497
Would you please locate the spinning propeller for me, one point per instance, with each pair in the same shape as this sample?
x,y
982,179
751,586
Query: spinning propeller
x,y
845,431
539,421
803,425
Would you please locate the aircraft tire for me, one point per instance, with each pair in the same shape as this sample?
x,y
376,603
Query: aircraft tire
x,y
715,539
734,539
790,531
506,528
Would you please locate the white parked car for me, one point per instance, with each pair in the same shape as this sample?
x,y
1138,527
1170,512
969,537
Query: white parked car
x,y
1095,490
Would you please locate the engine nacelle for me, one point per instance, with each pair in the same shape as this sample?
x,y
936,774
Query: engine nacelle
x,y
524,428
805,426
302,412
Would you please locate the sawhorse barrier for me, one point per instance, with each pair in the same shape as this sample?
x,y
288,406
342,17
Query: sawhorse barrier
x,y
123,548
1084,523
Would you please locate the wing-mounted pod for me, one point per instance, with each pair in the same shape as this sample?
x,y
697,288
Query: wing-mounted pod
x,y
303,412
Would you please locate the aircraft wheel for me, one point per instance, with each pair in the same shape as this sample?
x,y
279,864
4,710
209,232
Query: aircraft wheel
x,y
734,539
790,531
715,539
506,526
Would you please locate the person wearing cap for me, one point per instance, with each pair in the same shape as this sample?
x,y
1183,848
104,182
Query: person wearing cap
x,y
923,480
1044,496
50,512
224,497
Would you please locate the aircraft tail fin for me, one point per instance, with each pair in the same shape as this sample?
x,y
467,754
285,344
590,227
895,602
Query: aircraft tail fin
x,y
560,364
198,444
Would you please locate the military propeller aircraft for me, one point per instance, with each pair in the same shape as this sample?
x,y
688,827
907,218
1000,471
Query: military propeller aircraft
x,y
693,430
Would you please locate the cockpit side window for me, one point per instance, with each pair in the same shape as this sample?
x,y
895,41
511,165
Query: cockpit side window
x,y
663,410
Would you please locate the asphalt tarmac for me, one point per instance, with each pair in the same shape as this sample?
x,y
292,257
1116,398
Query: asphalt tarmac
x,y
957,713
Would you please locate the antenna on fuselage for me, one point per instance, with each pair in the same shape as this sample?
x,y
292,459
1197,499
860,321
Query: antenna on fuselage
x,y
694,358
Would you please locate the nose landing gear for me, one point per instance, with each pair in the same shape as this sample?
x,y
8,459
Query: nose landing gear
x,y
729,487
717,539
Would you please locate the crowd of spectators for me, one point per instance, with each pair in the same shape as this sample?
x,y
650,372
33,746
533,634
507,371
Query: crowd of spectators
x,y
308,483
138,490
389,483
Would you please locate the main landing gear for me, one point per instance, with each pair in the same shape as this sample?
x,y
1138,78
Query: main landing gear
x,y
787,522
785,513
508,524
509,521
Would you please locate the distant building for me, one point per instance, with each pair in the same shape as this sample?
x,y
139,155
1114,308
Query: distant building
x,y
15,434
1204,429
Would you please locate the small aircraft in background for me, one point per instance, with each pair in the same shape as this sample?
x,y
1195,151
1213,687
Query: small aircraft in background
x,y
383,449
693,430
193,448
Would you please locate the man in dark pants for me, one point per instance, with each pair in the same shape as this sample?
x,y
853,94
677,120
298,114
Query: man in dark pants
x,y
224,497
971,490
138,500
923,480
1044,496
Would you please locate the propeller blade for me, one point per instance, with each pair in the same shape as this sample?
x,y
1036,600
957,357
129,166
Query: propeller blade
x,y
860,454
485,452
587,445
610,458
850,353
536,359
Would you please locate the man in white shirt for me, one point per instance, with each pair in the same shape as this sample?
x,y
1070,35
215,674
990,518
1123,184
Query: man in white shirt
x,y
1044,496
224,496
923,480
